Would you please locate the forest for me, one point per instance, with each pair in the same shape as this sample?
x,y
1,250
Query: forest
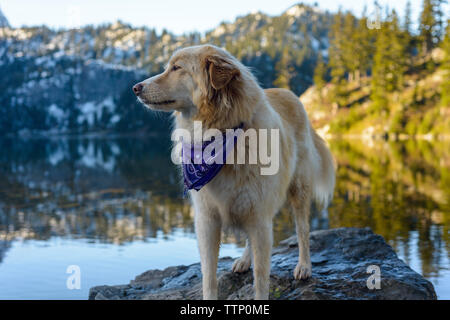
x,y
383,77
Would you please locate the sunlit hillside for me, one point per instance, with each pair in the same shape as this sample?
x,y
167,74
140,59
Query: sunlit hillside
x,y
417,110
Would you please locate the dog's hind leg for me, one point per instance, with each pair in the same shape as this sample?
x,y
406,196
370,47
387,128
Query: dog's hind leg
x,y
299,198
243,263
261,239
208,230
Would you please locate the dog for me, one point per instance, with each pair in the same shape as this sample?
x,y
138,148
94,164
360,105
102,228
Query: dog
x,y
207,84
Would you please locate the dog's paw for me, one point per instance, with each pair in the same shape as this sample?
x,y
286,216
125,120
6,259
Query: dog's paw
x,y
241,265
302,271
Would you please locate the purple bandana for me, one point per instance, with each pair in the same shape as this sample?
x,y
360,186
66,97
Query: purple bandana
x,y
208,157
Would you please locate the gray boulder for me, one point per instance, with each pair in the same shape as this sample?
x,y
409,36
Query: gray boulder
x,y
340,259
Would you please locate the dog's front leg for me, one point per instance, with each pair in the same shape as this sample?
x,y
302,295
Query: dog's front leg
x,y
208,230
261,239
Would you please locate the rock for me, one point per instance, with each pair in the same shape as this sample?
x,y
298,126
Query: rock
x,y
340,258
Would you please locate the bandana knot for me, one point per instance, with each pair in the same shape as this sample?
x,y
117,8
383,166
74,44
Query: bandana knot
x,y
202,162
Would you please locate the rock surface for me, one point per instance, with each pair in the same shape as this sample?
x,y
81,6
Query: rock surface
x,y
340,258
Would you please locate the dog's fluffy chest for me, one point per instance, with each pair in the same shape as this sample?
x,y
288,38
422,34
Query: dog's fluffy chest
x,y
237,193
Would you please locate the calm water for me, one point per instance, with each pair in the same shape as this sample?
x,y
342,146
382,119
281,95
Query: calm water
x,y
114,208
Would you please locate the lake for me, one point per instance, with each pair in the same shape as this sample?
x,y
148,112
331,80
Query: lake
x,y
114,208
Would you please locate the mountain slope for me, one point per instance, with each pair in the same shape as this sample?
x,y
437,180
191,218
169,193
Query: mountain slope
x,y
61,94
260,41
3,21
416,110
78,80
257,39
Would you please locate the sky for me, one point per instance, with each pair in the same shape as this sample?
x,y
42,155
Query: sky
x,y
177,16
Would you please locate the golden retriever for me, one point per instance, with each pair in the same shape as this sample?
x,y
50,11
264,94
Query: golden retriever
x,y
205,83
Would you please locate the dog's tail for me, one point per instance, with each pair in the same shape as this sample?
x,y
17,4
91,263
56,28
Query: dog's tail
x,y
324,179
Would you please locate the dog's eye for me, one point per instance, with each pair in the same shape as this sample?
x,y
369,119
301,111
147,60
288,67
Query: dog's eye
x,y
175,67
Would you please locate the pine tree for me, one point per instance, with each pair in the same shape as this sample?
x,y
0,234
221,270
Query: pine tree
x,y
379,70
440,19
445,86
335,50
320,73
397,54
407,36
363,47
282,69
389,66
407,22
348,45
431,24
304,51
337,61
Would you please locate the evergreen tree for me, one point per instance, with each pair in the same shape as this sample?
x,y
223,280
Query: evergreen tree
x,y
389,67
398,64
445,86
282,70
363,47
302,54
407,22
379,70
336,60
335,50
431,24
440,19
320,73
349,33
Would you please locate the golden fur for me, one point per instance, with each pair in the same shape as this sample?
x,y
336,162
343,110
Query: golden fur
x,y
207,84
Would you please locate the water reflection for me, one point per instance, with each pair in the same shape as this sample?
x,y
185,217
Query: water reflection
x,y
126,189
111,190
397,188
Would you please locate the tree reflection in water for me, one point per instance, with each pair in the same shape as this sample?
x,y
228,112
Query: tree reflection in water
x,y
125,189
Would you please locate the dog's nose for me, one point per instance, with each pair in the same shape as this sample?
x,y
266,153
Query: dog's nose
x,y
137,89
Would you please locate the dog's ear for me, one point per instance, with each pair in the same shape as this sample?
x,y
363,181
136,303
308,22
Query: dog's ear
x,y
221,71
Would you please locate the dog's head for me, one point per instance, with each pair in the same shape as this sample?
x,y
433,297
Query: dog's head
x,y
198,81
